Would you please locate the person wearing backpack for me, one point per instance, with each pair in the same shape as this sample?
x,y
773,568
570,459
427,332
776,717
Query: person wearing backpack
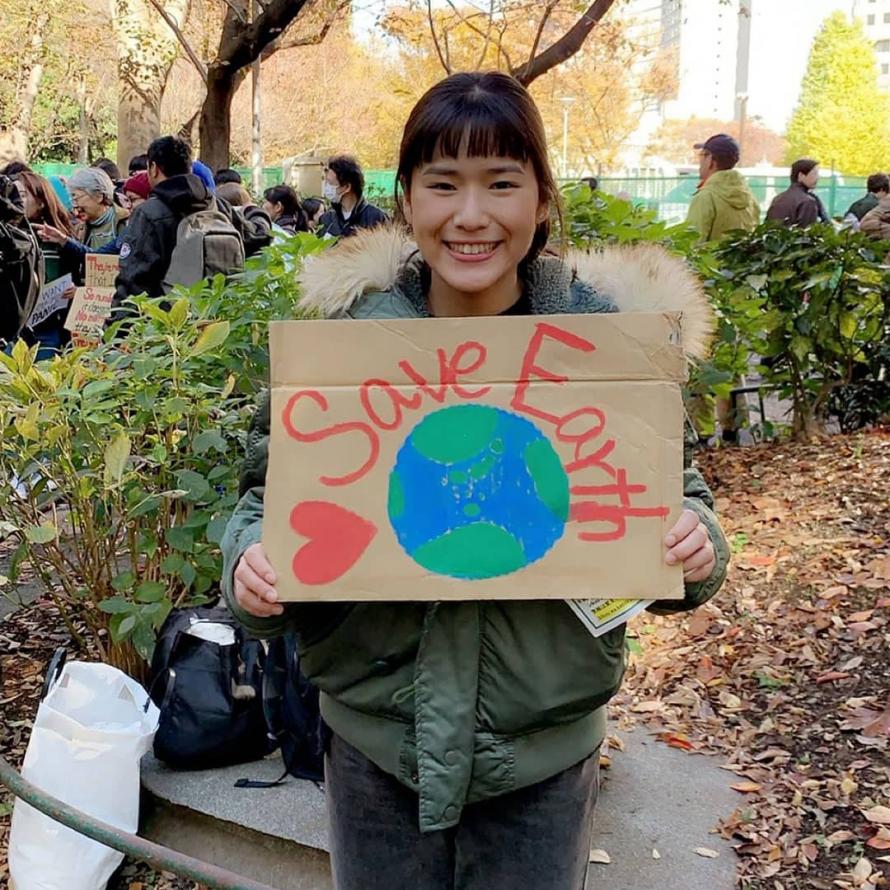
x,y
183,233
21,263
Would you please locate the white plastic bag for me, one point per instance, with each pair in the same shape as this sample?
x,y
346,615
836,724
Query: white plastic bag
x,y
90,733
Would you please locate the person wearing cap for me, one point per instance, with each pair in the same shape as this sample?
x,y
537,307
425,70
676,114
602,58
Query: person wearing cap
x,y
799,205
723,201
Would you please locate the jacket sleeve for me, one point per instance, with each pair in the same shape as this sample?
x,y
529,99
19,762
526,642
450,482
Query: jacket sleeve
x,y
806,213
698,498
310,621
254,226
142,254
874,224
702,214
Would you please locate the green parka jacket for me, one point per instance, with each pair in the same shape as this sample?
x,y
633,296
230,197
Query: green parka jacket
x,y
464,701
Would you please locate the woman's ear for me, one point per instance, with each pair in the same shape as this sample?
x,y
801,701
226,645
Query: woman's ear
x,y
543,212
406,204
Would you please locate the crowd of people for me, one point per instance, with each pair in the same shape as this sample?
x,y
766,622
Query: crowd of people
x,y
171,221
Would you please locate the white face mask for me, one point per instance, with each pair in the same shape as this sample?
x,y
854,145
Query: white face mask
x,y
329,191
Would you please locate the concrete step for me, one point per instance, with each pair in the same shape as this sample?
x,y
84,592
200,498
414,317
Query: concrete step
x,y
654,798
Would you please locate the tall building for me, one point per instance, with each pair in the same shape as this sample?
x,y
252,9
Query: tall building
x,y
875,15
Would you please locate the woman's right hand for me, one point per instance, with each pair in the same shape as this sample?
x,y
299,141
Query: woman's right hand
x,y
51,233
255,584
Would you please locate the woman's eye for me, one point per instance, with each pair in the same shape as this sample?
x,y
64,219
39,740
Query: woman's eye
x,y
504,184
442,186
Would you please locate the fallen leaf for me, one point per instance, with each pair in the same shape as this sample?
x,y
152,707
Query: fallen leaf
x,y
600,856
880,815
746,787
655,854
707,852
862,870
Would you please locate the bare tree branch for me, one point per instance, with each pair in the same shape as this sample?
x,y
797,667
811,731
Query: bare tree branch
x,y
238,12
171,22
429,14
487,42
307,39
548,10
566,46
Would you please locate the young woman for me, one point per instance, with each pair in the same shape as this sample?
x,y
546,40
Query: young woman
x,y
465,735
44,209
282,203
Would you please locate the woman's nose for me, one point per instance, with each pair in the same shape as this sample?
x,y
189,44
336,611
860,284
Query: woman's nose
x,y
471,212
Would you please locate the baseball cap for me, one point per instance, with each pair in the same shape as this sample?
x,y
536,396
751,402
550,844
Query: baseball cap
x,y
720,145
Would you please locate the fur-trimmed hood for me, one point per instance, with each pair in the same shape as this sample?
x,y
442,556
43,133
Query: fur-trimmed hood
x,y
637,278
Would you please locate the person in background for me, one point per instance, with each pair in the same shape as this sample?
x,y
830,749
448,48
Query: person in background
x,y
92,193
876,222
43,208
343,187
14,167
112,169
137,163
723,200
205,174
878,186
227,174
314,209
799,205
282,203
21,264
234,193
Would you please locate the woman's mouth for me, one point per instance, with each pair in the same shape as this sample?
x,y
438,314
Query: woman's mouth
x,y
471,251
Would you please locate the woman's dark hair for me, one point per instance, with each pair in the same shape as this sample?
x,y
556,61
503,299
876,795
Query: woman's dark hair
x,y
52,212
227,174
290,205
482,114
311,206
804,165
112,169
13,168
137,163
348,172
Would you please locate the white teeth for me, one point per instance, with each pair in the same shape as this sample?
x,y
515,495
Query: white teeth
x,y
473,248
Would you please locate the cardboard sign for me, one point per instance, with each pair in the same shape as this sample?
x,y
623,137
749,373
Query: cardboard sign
x,y
90,309
101,269
52,299
483,458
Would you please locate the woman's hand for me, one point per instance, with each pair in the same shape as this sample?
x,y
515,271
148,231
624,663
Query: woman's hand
x,y
689,543
255,584
51,233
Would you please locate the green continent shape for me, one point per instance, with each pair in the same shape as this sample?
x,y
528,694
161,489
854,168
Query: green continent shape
x,y
396,504
478,550
455,434
551,481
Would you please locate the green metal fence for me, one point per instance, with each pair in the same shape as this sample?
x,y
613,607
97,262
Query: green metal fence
x,y
668,195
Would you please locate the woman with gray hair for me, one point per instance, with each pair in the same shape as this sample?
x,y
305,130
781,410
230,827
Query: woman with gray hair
x,y
92,193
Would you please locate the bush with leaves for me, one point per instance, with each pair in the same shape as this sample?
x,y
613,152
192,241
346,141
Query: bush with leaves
x,y
813,303
120,463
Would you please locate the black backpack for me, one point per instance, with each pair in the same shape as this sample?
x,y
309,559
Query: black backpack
x,y
209,692
21,264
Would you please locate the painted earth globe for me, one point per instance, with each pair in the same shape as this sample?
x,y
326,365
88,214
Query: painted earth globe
x,y
477,492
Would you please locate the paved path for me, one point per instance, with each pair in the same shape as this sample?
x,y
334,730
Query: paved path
x,y
654,798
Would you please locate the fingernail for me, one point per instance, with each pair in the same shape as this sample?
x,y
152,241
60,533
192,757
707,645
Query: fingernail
x,y
670,540
670,559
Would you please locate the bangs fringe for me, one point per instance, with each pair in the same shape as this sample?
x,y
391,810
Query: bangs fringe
x,y
479,125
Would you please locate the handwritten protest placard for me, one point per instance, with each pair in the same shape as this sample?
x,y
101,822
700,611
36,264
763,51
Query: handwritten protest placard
x,y
52,298
485,458
101,269
90,309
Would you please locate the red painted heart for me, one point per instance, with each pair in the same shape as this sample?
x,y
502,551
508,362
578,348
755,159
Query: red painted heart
x,y
337,539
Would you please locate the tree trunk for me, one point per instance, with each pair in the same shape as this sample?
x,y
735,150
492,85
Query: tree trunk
x,y
146,50
216,115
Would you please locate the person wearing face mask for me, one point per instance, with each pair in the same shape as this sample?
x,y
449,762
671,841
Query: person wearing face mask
x,y
343,187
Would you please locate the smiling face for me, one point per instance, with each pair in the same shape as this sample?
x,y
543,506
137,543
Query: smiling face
x,y
87,205
474,219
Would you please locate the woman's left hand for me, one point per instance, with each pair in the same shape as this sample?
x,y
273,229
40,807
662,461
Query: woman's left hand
x,y
689,543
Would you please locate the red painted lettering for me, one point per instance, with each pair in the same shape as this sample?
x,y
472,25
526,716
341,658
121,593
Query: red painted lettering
x,y
397,401
614,514
455,370
530,370
327,432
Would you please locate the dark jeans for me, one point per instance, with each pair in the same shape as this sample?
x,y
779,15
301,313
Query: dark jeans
x,y
536,838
